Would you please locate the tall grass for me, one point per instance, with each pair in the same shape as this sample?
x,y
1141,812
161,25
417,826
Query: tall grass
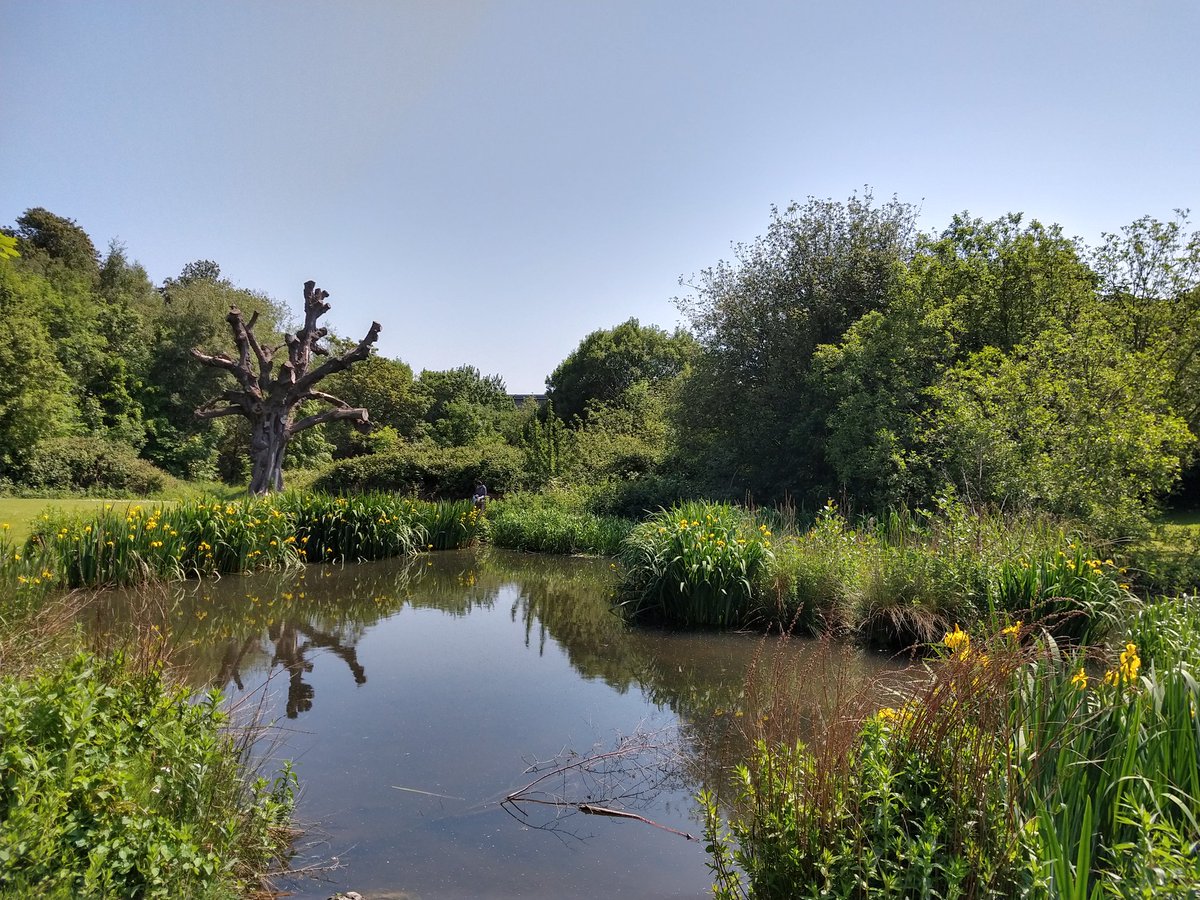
x,y
696,564
1015,768
544,524
900,582
124,545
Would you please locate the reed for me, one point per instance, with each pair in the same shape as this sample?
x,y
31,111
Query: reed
x,y
1013,767
546,525
696,564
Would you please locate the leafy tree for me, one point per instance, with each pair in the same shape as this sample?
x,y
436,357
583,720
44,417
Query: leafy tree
x,y
978,285
43,236
463,407
1073,423
35,393
610,361
1003,282
385,387
749,414
876,382
189,313
1150,284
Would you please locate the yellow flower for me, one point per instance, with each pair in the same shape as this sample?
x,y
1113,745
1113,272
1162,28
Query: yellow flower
x,y
1014,629
1127,669
956,639
1080,679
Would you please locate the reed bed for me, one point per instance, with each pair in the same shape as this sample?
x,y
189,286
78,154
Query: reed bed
x,y
136,544
1014,767
545,525
899,583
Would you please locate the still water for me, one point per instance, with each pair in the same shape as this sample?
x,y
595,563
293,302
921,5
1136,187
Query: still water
x,y
415,695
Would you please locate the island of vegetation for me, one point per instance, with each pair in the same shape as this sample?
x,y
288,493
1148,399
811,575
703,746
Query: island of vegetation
x,y
975,446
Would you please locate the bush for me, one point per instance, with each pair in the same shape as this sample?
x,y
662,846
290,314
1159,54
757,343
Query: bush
x,y
118,785
634,498
428,472
92,465
1012,769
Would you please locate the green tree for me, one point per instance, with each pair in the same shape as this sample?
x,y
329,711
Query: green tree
x,y
463,407
35,393
384,386
610,361
978,285
1073,423
44,238
186,313
749,414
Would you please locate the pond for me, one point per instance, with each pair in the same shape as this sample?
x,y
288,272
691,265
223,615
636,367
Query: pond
x,y
415,695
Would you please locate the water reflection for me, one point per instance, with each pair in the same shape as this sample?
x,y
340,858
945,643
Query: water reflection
x,y
426,689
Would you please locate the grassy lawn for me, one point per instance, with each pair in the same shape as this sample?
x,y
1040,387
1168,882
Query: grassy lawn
x,y
19,513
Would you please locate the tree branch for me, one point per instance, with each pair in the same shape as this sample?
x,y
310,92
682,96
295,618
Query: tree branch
x,y
358,415
337,363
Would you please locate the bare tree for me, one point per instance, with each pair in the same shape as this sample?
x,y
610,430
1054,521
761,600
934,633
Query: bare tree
x,y
269,398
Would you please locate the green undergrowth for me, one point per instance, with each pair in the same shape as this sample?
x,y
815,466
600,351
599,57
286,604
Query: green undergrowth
x,y
114,783
1016,768
552,524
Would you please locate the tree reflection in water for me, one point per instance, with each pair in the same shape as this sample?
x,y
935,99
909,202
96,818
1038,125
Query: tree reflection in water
x,y
226,629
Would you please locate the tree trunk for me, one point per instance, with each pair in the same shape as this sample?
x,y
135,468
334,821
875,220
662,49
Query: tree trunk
x,y
268,443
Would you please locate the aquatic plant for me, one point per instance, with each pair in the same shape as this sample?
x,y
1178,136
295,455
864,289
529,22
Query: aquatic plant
x,y
696,564
543,524
1007,771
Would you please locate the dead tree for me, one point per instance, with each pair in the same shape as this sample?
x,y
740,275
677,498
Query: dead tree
x,y
269,398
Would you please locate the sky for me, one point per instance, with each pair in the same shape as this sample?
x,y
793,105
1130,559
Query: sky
x,y
492,181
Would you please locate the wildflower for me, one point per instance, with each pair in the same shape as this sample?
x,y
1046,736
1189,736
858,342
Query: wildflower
x,y
1127,669
1014,629
956,639
156,543
1080,679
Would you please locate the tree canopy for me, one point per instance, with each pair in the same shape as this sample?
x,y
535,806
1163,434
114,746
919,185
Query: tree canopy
x,y
608,362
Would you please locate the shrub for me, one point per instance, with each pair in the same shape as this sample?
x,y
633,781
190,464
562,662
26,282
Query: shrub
x,y
427,471
634,498
92,465
118,785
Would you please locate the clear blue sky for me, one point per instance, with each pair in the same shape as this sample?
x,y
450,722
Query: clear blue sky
x,y
492,181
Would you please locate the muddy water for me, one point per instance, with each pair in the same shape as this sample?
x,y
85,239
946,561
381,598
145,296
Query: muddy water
x,y
415,695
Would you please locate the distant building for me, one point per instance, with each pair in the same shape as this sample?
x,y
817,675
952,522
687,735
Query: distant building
x,y
522,399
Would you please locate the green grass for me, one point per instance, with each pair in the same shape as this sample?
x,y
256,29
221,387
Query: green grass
x,y
22,513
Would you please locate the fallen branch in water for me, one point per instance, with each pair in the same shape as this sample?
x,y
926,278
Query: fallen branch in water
x,y
634,772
